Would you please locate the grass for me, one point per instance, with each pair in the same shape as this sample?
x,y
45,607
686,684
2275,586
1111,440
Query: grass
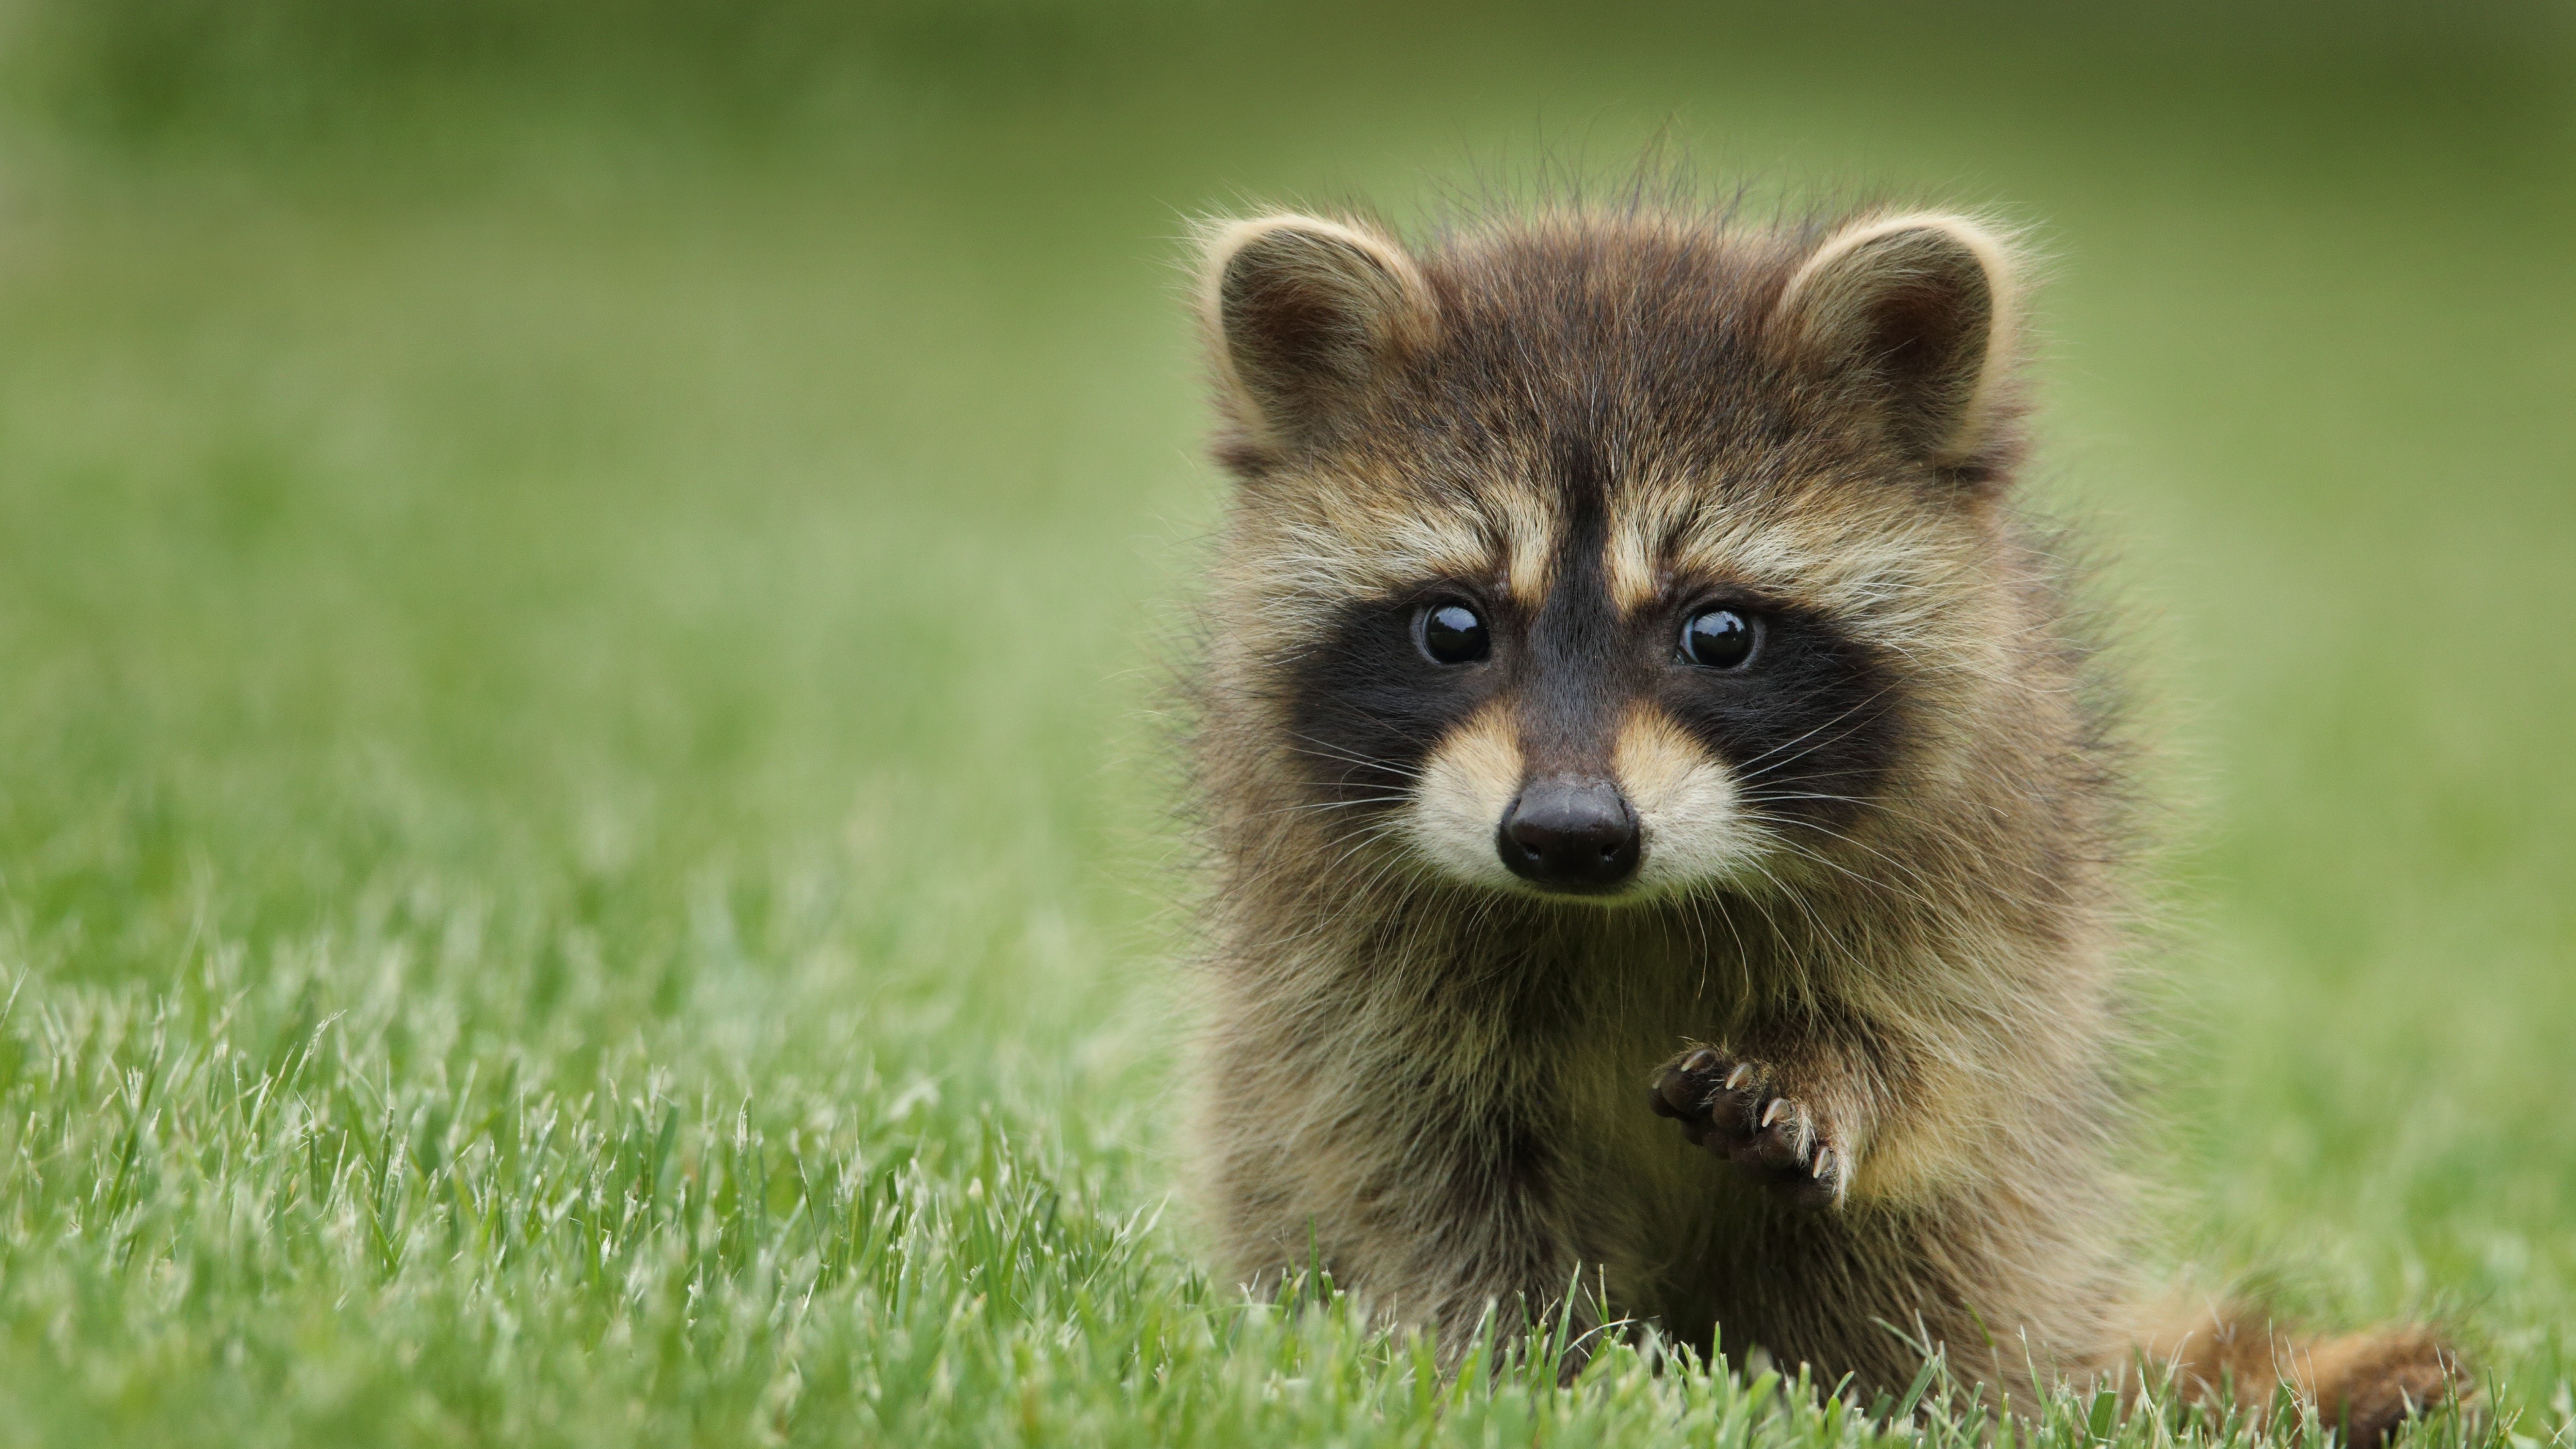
x,y
583,855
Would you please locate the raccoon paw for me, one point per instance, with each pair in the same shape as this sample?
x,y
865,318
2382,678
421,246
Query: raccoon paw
x,y
1730,1108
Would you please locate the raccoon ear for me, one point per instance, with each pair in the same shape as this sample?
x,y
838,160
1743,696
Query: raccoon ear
x,y
1916,313
1301,315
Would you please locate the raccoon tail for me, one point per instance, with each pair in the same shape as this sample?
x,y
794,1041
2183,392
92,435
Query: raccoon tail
x,y
2363,1385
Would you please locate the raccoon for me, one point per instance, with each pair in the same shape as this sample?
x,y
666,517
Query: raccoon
x,y
1668,837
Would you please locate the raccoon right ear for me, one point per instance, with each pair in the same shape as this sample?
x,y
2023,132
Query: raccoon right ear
x,y
1301,315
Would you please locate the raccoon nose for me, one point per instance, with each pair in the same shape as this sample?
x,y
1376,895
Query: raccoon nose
x,y
1570,835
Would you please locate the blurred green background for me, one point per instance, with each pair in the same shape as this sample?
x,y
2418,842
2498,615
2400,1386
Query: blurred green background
x,y
585,850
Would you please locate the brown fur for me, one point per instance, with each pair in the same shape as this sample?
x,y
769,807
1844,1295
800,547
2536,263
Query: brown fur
x,y
1435,1082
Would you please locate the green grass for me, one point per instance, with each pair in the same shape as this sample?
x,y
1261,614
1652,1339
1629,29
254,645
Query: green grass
x,y
584,856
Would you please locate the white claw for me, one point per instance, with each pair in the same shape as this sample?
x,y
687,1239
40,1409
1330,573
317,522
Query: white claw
x,y
1824,1168
1778,1109
1742,1074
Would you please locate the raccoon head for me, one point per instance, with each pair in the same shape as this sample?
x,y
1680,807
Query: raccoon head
x,y
1609,558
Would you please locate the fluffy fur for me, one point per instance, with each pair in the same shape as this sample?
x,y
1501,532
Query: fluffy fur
x,y
1838,1055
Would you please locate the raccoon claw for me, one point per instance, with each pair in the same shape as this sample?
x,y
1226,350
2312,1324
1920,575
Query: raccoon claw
x,y
1729,1109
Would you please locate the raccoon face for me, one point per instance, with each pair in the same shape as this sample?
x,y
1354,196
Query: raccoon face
x,y
1603,564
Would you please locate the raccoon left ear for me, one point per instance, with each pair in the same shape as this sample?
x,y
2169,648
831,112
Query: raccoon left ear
x,y
1916,313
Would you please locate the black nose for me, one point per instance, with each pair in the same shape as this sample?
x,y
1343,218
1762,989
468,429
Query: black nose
x,y
1569,835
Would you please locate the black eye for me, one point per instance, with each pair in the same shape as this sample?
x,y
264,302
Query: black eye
x,y
1452,634
1718,639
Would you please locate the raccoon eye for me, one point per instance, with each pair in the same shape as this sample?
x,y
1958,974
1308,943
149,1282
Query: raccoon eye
x,y
1452,634
1718,639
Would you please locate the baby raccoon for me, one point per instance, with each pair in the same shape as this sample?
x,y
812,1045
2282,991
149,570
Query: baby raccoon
x,y
1667,838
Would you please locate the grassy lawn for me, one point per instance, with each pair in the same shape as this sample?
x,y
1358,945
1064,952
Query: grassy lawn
x,y
585,855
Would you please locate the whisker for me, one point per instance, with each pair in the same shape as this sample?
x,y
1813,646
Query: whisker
x,y
1776,766
1334,805
1826,725
1365,762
